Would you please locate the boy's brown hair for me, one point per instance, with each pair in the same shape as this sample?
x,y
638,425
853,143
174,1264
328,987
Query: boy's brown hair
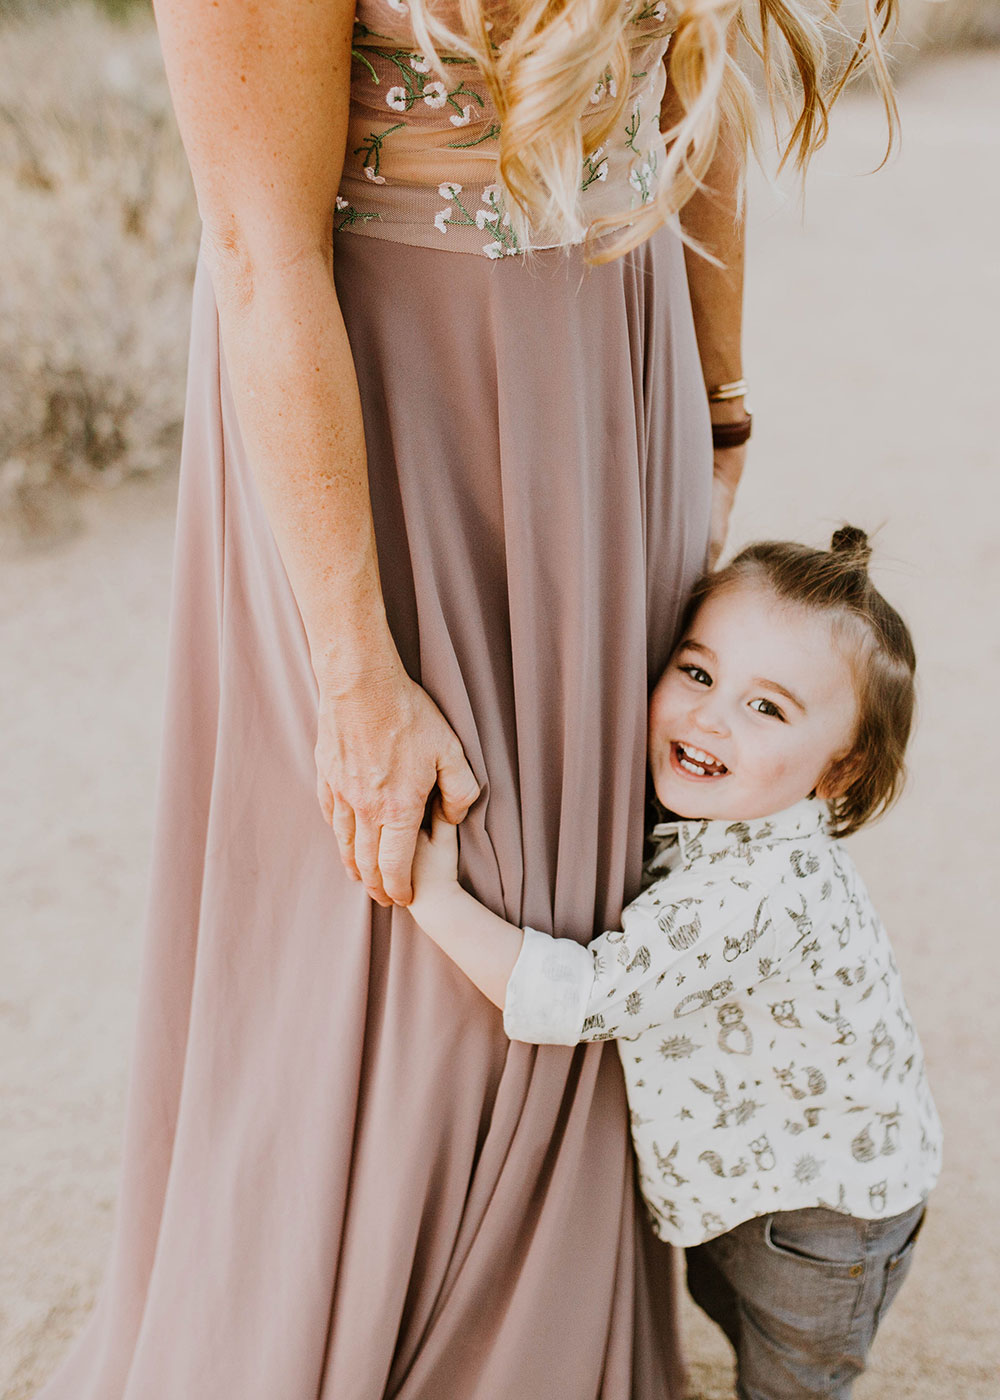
x,y
869,777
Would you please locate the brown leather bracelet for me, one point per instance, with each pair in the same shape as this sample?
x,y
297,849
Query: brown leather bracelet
x,y
732,434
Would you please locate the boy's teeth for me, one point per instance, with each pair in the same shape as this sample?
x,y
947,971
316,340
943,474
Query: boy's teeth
x,y
698,762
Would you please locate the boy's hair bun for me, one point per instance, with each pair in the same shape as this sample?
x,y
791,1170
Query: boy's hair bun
x,y
852,542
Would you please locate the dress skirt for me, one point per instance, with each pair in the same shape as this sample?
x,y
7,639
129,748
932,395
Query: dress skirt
x,y
340,1180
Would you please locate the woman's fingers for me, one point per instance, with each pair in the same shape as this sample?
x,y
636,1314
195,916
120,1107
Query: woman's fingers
x,y
326,801
397,843
366,843
457,785
380,774
381,858
343,828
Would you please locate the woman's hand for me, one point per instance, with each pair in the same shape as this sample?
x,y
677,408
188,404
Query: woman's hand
x,y
382,746
728,463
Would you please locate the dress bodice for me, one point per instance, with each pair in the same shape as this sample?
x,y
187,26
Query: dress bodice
x,y
422,153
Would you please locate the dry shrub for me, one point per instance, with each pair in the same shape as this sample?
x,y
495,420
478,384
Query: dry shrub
x,y
933,25
100,234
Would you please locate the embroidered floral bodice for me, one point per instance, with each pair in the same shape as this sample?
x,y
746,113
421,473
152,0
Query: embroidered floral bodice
x,y
421,163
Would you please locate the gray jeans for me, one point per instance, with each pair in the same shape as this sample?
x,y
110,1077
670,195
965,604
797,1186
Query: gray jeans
x,y
800,1295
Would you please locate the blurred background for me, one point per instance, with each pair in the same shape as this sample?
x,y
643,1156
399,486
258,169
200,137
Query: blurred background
x,y
873,327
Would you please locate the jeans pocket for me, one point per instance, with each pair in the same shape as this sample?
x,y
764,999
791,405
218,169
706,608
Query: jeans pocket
x,y
799,1237
896,1268
798,1288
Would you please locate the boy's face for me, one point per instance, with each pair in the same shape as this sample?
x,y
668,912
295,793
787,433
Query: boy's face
x,y
755,704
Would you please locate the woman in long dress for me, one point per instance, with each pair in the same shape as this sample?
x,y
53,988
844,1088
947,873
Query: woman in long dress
x,y
440,505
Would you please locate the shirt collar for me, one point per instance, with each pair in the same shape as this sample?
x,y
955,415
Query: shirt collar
x,y
696,840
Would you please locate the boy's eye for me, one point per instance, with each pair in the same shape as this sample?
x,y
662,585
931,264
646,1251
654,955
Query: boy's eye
x,y
766,707
697,674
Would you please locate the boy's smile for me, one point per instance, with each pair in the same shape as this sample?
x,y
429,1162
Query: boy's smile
x,y
696,762
756,703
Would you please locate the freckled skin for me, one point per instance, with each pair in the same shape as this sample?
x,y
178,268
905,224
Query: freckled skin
x,y
722,693
266,170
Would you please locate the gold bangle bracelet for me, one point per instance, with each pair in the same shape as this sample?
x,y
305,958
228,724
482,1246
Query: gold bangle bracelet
x,y
736,390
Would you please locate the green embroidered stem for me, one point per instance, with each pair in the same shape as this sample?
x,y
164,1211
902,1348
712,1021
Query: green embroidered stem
x,y
494,225
356,216
463,91
461,223
372,148
356,53
477,141
641,178
632,130
592,169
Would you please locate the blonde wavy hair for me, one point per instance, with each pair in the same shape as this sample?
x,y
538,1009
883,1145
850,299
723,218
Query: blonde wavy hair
x,y
553,53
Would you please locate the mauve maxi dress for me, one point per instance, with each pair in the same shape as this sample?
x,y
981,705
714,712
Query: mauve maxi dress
x,y
340,1180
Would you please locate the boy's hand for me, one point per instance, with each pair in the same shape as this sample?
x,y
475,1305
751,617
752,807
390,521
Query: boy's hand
x,y
435,865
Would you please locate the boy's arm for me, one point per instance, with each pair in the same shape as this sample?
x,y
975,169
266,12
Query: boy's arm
x,y
543,985
479,943
488,949
672,957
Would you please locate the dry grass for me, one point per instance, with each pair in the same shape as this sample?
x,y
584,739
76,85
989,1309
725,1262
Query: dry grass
x,y
100,236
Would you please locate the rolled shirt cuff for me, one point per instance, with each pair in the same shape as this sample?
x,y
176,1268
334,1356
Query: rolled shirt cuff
x,y
548,991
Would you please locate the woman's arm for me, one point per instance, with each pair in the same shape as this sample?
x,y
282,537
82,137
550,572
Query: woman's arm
x,y
713,218
261,94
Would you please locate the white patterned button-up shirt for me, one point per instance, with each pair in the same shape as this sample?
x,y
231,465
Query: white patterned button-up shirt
x,y
770,1059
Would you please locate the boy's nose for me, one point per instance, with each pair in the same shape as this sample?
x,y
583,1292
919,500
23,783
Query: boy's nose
x,y
710,720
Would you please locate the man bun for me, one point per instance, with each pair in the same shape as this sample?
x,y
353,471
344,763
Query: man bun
x,y
852,542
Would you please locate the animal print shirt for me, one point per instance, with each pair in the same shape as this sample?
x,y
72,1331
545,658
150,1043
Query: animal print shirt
x,y
770,1058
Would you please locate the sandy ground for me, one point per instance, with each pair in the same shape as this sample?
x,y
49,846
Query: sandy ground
x,y
874,362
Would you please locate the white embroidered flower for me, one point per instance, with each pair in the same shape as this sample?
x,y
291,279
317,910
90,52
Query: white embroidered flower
x,y
491,194
602,170
493,250
419,64
463,119
375,179
435,94
441,219
485,217
612,87
396,99
660,12
597,94
638,176
449,189
400,6
341,202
